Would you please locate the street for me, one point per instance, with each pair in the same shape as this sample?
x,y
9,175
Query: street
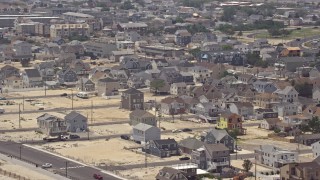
x,y
74,170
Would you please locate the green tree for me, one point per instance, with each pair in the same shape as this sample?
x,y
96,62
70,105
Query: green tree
x,y
179,20
276,130
240,33
195,52
228,13
227,47
314,125
247,165
156,85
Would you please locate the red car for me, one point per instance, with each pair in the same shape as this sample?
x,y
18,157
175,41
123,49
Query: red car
x,y
98,176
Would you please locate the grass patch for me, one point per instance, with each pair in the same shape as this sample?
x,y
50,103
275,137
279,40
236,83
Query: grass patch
x,y
306,32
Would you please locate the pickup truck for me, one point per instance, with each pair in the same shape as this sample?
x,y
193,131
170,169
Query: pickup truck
x,y
2,111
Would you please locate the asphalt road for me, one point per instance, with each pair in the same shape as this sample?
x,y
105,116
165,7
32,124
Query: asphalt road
x,y
296,43
75,170
64,109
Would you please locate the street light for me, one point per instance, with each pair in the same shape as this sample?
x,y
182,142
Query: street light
x,y
66,168
20,147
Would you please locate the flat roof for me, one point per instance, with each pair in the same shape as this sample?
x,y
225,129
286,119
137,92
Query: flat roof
x,y
82,15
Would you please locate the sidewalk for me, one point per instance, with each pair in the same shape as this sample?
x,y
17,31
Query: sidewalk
x,y
27,170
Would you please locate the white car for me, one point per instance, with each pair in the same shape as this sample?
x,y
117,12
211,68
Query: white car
x,y
176,130
46,165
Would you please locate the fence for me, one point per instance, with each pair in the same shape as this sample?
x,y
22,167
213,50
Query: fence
x,y
12,175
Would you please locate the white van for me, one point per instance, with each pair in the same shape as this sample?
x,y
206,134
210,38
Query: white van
x,y
82,95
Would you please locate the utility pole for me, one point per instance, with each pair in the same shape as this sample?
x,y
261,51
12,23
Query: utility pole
x,y
19,116
255,166
91,111
145,157
71,99
66,168
45,86
20,147
22,103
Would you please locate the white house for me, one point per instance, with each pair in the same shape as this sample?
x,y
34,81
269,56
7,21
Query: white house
x,y
316,149
245,109
145,132
288,94
178,88
287,109
275,157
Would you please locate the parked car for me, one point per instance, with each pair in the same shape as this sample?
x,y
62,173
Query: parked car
x,y
125,137
41,109
74,136
46,165
163,128
97,176
3,98
184,158
239,148
186,130
176,130
63,94
2,111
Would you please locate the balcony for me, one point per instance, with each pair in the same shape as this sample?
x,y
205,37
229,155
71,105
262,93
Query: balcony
x,y
286,161
224,163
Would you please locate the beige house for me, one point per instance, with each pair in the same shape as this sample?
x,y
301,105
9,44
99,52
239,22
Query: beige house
x,y
265,100
65,30
14,82
108,87
51,125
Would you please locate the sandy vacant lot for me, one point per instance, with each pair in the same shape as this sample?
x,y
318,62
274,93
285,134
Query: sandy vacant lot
x,y
110,152
140,174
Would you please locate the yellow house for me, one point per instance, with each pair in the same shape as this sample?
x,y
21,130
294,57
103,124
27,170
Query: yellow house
x,y
230,121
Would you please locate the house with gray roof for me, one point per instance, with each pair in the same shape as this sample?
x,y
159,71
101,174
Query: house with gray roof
x,y
264,86
245,109
141,116
32,78
190,144
169,173
144,133
86,85
211,157
275,157
132,99
218,136
163,148
288,94
76,122
108,87
51,125
208,111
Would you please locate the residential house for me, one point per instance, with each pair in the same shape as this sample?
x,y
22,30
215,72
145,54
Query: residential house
x,y
231,121
287,109
288,94
168,173
32,78
132,99
255,18
266,100
207,112
47,70
51,125
297,171
178,89
190,144
291,51
108,87
76,122
246,78
307,139
141,116
211,157
8,71
79,67
86,85
139,27
22,50
159,63
315,72
245,109
13,82
261,114
182,37
218,136
316,149
67,77
269,124
172,106
264,86
163,148
144,133
275,157
200,74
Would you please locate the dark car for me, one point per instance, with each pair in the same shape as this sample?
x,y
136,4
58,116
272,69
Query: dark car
x,y
298,39
186,130
125,137
184,158
63,94
41,109
74,136
97,176
3,98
